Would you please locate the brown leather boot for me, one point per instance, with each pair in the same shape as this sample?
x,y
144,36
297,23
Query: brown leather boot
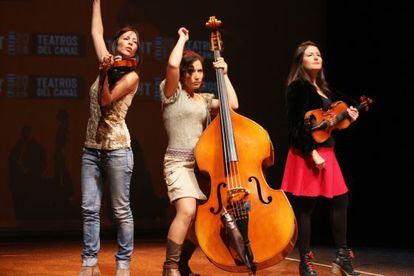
x,y
170,267
187,251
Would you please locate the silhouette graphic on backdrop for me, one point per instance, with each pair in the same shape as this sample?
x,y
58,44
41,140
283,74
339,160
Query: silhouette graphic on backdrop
x,y
63,186
37,196
27,164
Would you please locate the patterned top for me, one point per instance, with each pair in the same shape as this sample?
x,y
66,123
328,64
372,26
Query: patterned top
x,y
184,117
107,132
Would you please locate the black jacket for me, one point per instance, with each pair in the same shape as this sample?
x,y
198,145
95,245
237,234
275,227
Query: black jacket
x,y
301,96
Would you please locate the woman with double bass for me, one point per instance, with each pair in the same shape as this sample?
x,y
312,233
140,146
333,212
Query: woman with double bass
x,y
312,170
185,112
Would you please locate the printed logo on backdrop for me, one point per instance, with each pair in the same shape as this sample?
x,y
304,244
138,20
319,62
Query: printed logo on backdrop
x,y
42,87
59,45
164,45
202,47
43,44
18,43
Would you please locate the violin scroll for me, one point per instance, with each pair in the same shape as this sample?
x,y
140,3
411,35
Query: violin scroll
x,y
365,101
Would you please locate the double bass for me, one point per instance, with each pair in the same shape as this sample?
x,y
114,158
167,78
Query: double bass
x,y
245,225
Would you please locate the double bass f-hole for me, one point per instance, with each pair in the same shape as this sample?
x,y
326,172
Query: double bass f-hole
x,y
235,191
259,191
220,205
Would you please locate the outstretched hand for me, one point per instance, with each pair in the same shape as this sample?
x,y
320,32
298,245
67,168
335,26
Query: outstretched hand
x,y
183,32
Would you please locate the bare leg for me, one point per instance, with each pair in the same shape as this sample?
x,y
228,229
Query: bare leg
x,y
186,210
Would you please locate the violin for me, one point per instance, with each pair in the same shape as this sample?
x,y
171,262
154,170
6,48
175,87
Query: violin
x,y
131,62
245,225
321,123
115,71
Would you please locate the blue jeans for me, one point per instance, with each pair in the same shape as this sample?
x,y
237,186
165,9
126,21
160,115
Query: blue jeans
x,y
116,168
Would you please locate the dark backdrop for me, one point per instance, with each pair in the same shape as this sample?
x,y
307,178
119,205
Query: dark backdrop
x,y
42,138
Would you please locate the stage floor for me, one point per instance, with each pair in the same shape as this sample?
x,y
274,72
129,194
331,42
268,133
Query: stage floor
x,y
63,258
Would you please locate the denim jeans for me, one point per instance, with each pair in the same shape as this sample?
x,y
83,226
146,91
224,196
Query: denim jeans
x,y
115,168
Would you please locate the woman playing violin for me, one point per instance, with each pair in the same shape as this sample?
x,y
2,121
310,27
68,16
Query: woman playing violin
x,y
312,170
185,113
107,155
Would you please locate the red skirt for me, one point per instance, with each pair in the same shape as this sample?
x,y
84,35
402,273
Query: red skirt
x,y
302,178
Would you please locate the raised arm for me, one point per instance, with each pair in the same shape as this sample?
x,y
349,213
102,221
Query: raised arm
x,y
97,32
173,68
231,93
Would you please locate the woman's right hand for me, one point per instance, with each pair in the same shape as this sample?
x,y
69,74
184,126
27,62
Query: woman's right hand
x,y
319,161
184,33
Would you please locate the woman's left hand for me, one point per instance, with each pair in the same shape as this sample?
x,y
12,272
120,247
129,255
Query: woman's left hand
x,y
353,113
106,62
220,63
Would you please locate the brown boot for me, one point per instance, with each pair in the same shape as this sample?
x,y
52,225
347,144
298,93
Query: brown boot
x,y
188,250
170,267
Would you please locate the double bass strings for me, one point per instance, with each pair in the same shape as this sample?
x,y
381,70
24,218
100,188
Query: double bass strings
x,y
229,152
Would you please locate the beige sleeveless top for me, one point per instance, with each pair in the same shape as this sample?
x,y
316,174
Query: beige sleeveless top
x,y
108,131
184,116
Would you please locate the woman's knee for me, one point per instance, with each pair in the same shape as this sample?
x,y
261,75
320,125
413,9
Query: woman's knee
x,y
122,213
90,211
186,214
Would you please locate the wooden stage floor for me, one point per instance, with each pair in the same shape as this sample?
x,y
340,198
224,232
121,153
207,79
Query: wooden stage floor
x,y
63,258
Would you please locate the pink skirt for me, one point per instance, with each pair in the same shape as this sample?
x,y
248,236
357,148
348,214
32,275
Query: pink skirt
x,y
302,178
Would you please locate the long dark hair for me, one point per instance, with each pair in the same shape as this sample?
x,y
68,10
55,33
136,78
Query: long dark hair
x,y
186,65
297,71
114,44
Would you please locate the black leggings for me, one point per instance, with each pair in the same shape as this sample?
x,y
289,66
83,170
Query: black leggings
x,y
304,207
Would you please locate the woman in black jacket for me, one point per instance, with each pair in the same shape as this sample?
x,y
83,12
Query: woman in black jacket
x,y
312,169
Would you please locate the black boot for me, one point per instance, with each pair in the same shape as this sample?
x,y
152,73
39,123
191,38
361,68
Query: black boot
x,y
342,263
306,265
186,253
